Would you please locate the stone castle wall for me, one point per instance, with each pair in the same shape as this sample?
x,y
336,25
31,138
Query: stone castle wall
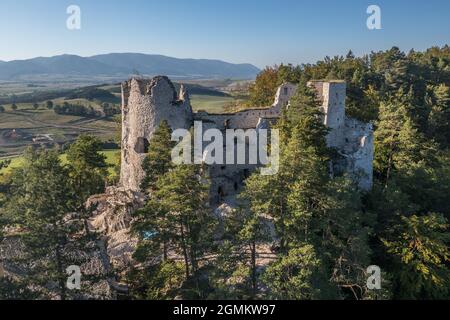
x,y
147,102
358,151
248,119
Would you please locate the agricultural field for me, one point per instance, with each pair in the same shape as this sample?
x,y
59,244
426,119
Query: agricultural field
x,y
211,104
27,126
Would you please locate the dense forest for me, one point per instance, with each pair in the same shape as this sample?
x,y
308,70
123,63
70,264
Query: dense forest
x,y
327,231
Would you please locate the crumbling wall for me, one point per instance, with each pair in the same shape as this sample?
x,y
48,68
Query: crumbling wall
x,y
145,103
248,119
332,94
352,138
359,151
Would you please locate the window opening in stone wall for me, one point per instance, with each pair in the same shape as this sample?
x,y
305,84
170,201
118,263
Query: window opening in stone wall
x,y
142,145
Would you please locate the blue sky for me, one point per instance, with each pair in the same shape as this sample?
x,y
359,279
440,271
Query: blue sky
x,y
261,32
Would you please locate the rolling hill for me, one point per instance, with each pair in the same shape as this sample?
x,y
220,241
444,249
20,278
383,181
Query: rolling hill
x,y
120,65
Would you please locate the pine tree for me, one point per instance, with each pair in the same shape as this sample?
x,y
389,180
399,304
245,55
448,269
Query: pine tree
x,y
421,255
303,159
160,281
87,167
309,210
303,151
253,222
176,221
87,173
341,237
439,117
184,195
39,205
230,275
42,208
158,160
291,277
387,141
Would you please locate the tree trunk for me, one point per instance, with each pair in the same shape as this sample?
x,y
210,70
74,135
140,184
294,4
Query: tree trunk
x,y
388,173
192,250
185,254
253,249
282,233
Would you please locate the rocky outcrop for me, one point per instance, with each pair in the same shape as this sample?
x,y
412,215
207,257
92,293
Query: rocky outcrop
x,y
112,219
96,279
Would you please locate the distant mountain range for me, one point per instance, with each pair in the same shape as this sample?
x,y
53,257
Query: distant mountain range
x,y
119,65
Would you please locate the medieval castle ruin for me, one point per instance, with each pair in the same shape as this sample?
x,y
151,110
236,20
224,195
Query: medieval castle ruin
x,y
145,103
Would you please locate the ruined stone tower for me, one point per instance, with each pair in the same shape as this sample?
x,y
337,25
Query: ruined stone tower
x,y
145,103
352,138
332,95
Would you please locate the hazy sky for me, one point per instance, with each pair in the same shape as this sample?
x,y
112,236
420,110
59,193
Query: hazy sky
x,y
261,32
